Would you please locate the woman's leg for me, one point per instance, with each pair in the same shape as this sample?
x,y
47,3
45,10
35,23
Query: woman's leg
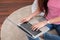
x,y
57,27
50,26
48,36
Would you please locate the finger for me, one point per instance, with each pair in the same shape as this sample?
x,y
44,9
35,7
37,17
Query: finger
x,y
34,28
37,29
23,21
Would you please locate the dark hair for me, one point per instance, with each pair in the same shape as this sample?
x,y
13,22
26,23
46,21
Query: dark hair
x,y
43,5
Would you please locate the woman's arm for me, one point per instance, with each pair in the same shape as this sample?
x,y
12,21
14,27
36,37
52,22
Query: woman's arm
x,y
30,16
43,23
35,13
54,20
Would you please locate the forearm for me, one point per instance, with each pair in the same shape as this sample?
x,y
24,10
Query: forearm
x,y
35,13
54,20
51,21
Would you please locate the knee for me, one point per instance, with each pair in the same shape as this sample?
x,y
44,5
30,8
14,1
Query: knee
x,y
50,26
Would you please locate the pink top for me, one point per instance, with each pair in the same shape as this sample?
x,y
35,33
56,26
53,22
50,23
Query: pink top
x,y
53,9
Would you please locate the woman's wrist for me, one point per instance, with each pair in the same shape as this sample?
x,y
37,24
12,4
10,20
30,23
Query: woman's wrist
x,y
47,22
30,17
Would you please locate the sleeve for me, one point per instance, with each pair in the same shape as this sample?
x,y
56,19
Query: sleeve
x,y
34,5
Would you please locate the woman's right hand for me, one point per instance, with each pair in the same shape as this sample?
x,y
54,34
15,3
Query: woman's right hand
x,y
25,19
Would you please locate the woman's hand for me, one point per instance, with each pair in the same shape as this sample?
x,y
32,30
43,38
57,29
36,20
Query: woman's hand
x,y
39,25
25,19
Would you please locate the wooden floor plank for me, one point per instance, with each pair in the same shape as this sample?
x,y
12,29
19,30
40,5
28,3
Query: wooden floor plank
x,y
9,6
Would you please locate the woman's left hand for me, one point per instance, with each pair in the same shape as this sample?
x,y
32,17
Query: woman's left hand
x,y
39,25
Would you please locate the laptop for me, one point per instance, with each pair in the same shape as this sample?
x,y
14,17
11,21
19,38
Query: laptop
x,y
26,27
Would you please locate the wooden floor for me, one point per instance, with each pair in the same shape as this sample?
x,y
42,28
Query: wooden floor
x,y
8,6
